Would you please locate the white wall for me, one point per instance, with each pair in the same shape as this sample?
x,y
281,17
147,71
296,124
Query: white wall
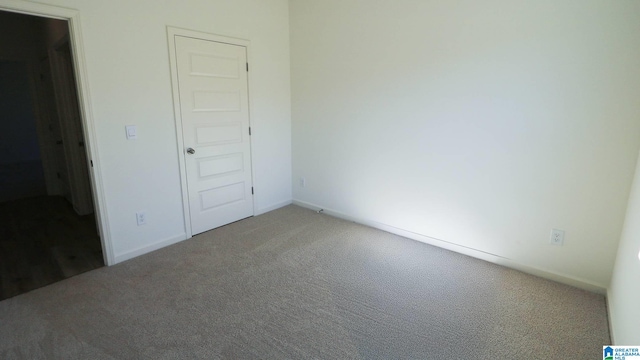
x,y
484,124
129,81
624,291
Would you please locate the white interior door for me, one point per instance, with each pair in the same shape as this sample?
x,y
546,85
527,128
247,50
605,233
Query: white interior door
x,y
214,109
56,182
71,128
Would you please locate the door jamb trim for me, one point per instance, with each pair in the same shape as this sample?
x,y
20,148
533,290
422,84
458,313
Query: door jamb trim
x,y
84,101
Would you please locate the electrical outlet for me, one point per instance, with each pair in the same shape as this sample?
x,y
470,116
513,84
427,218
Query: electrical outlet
x,y
557,237
303,182
141,218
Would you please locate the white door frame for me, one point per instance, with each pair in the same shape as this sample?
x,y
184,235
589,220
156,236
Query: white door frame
x,y
171,33
91,143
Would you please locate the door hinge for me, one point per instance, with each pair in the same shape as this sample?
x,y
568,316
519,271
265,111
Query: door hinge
x,y
247,67
252,190
249,130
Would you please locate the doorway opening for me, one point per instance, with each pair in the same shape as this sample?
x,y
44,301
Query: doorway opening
x,y
48,228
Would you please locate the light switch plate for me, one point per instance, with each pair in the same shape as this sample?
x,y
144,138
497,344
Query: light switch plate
x,y
132,132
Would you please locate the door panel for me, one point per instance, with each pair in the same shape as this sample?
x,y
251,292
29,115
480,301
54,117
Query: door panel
x,y
50,115
206,101
219,134
220,165
71,129
214,108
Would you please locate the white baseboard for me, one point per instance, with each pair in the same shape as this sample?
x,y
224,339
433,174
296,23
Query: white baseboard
x,y
175,239
479,254
272,207
610,318
149,248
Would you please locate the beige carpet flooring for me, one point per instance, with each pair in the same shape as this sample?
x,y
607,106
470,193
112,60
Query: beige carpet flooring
x,y
293,284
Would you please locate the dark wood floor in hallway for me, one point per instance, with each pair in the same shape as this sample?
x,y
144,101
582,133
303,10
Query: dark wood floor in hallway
x,y
42,240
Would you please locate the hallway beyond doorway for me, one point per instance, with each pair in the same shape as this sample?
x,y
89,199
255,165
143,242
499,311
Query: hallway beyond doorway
x,y
42,240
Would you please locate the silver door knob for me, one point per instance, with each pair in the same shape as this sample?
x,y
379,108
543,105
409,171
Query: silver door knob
x,y
191,151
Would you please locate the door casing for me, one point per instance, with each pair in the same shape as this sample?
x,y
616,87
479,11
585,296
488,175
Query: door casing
x,y
80,71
